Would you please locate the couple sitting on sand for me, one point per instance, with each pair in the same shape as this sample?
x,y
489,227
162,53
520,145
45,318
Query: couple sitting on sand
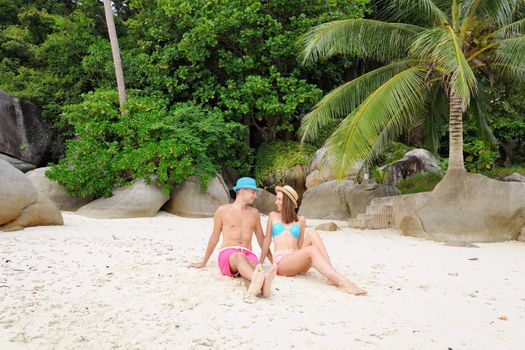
x,y
294,253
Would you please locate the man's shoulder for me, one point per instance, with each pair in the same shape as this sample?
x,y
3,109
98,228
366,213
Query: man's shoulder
x,y
223,208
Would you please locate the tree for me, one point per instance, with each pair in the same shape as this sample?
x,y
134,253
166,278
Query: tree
x,y
116,53
435,51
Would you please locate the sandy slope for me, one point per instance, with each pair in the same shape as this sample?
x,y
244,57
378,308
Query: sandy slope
x,y
123,284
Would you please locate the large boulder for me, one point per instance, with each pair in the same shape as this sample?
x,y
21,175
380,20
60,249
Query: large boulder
x,y
265,202
414,162
54,191
187,199
42,212
320,169
23,135
471,208
138,200
327,201
295,177
515,177
16,192
359,196
17,163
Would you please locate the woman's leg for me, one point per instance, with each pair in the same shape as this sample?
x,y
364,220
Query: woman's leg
x,y
313,238
310,256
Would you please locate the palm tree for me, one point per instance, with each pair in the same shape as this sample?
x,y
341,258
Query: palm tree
x,y
435,52
116,54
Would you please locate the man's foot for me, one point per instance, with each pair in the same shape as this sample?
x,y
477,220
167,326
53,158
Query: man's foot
x,y
257,281
267,285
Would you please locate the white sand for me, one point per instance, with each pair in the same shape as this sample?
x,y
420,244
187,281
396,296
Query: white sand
x,y
123,284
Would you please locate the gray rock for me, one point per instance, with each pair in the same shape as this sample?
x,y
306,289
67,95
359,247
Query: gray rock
x,y
414,162
138,200
41,212
470,208
521,237
265,202
54,191
327,226
23,135
326,201
360,196
17,163
16,192
320,169
188,200
515,177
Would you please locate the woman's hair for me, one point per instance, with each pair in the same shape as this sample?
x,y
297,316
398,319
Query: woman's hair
x,y
288,214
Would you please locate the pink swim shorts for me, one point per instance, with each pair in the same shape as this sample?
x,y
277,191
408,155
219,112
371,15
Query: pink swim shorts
x,y
224,259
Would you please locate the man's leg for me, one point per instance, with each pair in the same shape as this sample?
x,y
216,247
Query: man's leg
x,y
249,270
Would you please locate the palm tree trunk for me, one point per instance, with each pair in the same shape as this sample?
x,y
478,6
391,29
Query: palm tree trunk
x,y
116,54
456,133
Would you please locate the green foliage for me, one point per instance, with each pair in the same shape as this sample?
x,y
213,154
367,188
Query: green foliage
x,y
379,175
111,149
419,183
275,156
478,155
393,151
501,172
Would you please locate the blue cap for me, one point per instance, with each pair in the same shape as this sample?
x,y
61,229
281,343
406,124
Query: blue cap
x,y
246,182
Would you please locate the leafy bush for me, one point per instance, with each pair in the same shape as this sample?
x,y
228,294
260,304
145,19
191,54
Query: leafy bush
x,y
379,175
112,150
478,155
419,183
500,172
277,155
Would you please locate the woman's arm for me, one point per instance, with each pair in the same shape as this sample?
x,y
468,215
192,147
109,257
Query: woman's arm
x,y
302,226
265,250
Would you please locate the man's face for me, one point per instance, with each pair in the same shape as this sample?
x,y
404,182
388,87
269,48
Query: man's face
x,y
248,195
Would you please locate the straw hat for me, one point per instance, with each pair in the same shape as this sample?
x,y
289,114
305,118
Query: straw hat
x,y
289,192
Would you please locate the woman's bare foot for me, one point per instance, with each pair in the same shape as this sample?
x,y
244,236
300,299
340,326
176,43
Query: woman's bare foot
x,y
331,282
257,281
267,285
353,289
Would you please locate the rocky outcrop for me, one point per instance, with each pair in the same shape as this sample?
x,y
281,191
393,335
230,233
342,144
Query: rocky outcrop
x,y
320,169
22,135
138,200
16,192
54,191
471,208
265,202
414,162
42,212
326,201
20,203
515,177
187,199
360,196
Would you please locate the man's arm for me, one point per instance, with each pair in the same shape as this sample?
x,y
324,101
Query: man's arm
x,y
265,247
214,239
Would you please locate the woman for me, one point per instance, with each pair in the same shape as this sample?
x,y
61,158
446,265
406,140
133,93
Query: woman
x,y
293,252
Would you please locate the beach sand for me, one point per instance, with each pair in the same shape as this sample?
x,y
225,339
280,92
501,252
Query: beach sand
x,y
124,284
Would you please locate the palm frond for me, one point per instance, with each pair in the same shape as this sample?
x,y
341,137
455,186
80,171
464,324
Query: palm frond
x,y
437,116
508,31
510,52
357,37
478,111
392,102
419,12
341,101
443,48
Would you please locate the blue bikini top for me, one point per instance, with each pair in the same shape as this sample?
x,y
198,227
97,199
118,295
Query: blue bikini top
x,y
279,228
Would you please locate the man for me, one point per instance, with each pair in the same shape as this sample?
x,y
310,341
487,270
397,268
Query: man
x,y
238,221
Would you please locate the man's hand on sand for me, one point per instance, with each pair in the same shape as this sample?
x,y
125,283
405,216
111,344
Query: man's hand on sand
x,y
197,265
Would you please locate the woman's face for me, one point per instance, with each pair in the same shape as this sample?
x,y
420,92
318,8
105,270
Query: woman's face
x,y
279,201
